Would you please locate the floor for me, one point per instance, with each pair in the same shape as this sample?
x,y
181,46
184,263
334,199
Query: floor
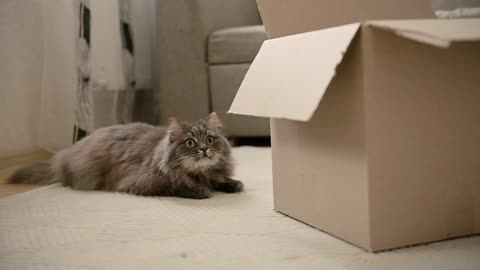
x,y
9,165
55,227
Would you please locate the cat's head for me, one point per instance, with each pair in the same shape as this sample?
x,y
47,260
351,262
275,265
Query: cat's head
x,y
198,146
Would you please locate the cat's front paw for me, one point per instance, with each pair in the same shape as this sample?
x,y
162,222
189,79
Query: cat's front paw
x,y
232,186
203,193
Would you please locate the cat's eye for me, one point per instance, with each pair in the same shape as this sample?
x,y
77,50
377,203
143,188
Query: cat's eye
x,y
210,139
190,143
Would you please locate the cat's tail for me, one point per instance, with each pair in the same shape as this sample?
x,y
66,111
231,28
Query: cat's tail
x,y
38,173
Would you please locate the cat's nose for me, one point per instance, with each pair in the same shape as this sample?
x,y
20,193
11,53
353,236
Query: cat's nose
x,y
204,149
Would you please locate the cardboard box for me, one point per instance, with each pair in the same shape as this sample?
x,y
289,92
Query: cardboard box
x,y
375,128
287,17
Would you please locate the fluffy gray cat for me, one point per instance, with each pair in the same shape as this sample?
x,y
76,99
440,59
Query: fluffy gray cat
x,y
184,160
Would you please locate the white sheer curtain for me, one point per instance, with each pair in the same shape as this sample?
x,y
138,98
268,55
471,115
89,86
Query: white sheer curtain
x,y
115,46
89,75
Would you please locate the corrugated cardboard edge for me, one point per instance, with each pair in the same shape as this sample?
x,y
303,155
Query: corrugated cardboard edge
x,y
414,35
428,31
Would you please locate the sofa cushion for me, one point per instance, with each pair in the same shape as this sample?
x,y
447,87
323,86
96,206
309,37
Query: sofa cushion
x,y
224,83
235,45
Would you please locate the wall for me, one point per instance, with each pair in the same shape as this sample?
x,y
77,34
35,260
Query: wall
x,y
21,60
37,74
59,81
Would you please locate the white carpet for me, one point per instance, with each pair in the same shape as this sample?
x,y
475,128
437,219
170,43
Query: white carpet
x,y
57,228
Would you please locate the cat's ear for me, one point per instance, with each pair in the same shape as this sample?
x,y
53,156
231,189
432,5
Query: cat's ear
x,y
175,129
213,121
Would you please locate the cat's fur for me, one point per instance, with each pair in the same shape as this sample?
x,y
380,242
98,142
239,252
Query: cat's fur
x,y
144,160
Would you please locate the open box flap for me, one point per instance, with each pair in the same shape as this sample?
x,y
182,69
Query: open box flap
x,y
290,75
440,33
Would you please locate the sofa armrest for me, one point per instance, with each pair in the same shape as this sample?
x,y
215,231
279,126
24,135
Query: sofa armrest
x,y
183,26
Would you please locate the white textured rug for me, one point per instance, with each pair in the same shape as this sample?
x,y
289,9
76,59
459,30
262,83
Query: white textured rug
x,y
57,228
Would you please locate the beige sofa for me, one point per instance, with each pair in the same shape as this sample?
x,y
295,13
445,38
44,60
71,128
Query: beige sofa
x,y
204,50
